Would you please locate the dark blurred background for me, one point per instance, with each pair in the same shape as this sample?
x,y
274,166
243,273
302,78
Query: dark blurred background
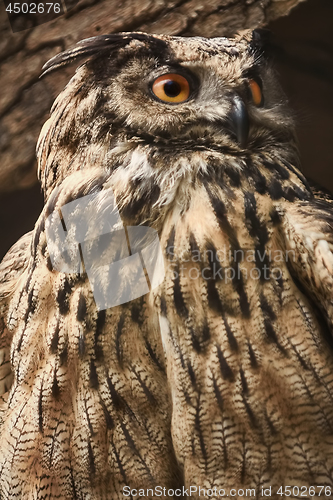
x,y
305,65
303,53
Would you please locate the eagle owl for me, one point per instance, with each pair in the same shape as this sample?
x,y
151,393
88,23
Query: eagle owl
x,y
220,377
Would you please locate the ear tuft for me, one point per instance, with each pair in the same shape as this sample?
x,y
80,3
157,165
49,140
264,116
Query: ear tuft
x,y
261,37
86,49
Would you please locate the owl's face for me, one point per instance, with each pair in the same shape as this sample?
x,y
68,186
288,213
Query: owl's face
x,y
164,98
216,91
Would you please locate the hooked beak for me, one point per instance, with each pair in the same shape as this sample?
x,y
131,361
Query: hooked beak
x,y
240,120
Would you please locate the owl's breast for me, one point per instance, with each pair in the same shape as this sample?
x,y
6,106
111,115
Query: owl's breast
x,y
249,367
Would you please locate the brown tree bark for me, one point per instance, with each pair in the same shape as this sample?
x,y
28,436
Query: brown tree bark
x,y
25,100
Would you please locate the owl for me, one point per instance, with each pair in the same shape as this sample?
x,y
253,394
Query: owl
x,y
218,380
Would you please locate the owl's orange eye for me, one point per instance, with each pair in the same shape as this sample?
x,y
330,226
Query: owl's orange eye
x,y
256,93
171,88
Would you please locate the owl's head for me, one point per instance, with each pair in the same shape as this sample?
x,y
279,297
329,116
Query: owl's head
x,y
169,102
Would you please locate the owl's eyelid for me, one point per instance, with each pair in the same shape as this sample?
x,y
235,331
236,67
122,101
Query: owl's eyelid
x,y
253,73
175,69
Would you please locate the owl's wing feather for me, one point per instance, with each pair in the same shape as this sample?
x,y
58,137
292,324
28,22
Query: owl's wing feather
x,y
308,235
11,268
88,412
12,265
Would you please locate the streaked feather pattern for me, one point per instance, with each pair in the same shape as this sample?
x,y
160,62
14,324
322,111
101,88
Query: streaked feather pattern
x,y
223,375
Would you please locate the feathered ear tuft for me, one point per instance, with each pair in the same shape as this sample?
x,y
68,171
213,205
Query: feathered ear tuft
x,y
257,39
261,43
261,37
87,48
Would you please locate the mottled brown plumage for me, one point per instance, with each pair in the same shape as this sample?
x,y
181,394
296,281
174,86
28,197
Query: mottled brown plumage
x,y
223,375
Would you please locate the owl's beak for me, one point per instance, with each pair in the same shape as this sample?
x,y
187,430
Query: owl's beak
x,y
240,120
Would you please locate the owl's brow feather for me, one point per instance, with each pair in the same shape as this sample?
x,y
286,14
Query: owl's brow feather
x,y
95,45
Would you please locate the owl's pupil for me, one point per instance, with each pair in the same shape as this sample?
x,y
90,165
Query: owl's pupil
x,y
172,88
